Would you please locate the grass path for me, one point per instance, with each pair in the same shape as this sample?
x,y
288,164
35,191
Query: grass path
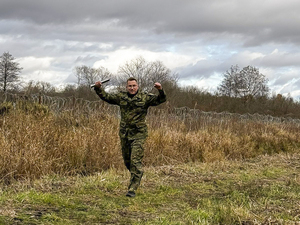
x,y
264,190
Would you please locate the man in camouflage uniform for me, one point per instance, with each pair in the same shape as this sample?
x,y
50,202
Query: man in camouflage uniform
x,y
133,132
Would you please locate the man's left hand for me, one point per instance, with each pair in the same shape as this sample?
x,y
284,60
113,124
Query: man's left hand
x,y
158,86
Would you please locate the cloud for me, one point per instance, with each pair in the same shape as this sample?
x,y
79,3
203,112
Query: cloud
x,y
54,77
32,63
257,25
199,40
202,69
279,59
283,77
123,55
290,88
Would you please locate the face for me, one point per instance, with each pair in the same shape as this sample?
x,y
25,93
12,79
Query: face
x,y
132,87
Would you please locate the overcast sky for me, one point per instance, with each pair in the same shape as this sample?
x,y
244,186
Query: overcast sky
x,y
198,39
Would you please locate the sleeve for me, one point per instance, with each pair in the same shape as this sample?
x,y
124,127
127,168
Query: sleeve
x,y
155,100
109,98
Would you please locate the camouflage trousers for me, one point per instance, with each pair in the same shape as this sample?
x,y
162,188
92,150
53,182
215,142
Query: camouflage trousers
x,y
133,153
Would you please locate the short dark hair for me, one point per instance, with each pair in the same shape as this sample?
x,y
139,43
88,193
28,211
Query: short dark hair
x,y
131,79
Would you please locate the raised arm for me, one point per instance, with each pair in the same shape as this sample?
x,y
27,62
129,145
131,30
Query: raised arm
x,y
155,100
109,98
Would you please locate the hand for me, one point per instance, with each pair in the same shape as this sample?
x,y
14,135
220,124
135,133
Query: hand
x,y
158,86
98,84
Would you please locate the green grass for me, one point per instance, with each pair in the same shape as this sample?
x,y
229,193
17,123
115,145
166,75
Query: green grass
x,y
263,190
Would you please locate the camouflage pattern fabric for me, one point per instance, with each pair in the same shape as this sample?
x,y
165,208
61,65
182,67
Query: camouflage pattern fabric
x,y
133,129
133,153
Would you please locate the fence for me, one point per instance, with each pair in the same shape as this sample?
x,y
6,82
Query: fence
x,y
188,115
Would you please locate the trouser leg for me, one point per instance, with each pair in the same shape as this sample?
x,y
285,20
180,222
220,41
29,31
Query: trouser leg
x,y
133,153
126,152
136,167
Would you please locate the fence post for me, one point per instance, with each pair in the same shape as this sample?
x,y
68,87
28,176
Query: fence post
x,y
74,101
40,98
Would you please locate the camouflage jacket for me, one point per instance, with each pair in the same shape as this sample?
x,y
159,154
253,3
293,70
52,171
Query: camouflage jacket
x,y
133,110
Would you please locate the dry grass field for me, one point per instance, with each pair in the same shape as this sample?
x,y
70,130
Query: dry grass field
x,y
37,142
66,168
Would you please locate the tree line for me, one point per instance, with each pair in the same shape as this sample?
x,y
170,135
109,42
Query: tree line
x,y
241,90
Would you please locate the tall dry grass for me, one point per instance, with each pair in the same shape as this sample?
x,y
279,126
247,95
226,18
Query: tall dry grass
x,y
35,142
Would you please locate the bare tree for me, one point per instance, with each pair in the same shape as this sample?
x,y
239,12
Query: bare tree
x,y
9,70
43,87
87,75
146,73
245,82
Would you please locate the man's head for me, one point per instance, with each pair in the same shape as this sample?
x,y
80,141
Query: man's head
x,y
132,86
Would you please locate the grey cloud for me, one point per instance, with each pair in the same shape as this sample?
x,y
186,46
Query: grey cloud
x,y
257,23
289,87
202,69
286,59
297,87
20,32
281,80
241,59
283,77
207,68
277,60
71,79
225,32
88,60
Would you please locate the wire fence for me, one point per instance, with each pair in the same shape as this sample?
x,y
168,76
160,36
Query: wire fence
x,y
188,115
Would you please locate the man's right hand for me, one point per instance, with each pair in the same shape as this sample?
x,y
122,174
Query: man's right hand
x,y
98,84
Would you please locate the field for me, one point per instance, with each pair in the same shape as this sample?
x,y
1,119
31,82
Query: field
x,y
264,190
66,168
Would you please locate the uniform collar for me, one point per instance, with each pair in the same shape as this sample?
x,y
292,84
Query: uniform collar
x,y
137,96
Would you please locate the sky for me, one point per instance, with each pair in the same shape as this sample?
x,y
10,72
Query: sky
x,y
199,40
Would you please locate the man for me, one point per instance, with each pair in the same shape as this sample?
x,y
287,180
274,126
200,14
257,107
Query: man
x,y
133,132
